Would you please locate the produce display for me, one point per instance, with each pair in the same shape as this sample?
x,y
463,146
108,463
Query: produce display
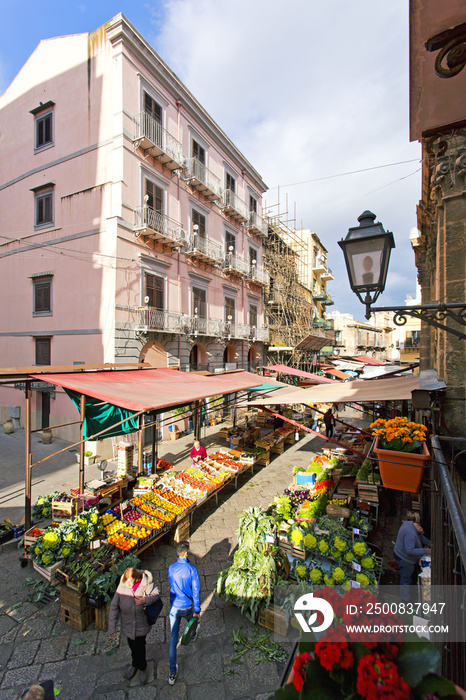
x,y
121,541
42,508
60,542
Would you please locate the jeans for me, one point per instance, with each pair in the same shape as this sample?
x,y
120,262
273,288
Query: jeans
x,y
175,616
406,578
314,425
138,652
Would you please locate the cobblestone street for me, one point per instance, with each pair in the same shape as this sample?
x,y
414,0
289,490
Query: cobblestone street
x,y
35,645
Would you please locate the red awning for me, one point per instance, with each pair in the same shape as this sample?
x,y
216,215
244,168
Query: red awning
x,y
338,373
368,360
283,369
151,389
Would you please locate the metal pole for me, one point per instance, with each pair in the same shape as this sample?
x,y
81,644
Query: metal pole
x,y
82,411
27,489
140,444
154,439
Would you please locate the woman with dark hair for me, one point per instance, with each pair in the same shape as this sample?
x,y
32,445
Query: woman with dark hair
x,y
135,591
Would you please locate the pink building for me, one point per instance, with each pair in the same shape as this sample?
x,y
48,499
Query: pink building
x,y
131,225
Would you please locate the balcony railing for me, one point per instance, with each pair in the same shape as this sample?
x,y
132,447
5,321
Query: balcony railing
x,y
233,264
195,325
319,323
203,249
234,206
326,275
412,343
258,275
152,223
151,319
320,265
203,180
319,295
151,136
328,301
257,225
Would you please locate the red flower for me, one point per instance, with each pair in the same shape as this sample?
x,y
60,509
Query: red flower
x,y
299,668
333,650
335,599
377,678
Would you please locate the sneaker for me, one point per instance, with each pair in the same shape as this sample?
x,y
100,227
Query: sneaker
x,y
172,677
143,677
130,672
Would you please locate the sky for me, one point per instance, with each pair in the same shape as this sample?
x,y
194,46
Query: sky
x,y
315,95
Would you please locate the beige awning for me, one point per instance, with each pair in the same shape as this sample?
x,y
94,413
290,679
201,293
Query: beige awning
x,y
395,389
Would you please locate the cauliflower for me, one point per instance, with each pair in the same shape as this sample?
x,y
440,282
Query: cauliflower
x,y
296,537
310,541
340,544
315,575
301,571
47,558
338,574
359,549
367,563
66,551
50,540
349,556
94,518
328,580
323,547
362,579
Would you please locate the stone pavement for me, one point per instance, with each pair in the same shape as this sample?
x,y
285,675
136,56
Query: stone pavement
x,y
35,645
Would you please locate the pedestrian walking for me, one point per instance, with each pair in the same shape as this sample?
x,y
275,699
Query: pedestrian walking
x,y
329,420
184,600
410,546
314,417
135,590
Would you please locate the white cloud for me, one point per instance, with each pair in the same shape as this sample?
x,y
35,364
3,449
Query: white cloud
x,y
307,90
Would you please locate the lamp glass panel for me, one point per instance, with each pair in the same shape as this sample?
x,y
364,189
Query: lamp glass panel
x,y
365,258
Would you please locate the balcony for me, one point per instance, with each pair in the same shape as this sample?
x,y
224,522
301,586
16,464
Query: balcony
x,y
203,180
152,137
319,295
234,206
320,323
328,301
320,265
326,275
148,222
234,265
257,225
205,250
195,325
158,320
258,275
412,343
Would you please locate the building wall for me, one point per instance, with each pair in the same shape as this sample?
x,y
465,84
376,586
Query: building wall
x,y
91,250
361,338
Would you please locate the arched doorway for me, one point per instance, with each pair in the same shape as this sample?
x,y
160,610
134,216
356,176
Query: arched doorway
x,y
155,354
198,358
253,358
229,357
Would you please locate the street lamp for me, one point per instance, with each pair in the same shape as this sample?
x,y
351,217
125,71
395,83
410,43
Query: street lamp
x,y
367,249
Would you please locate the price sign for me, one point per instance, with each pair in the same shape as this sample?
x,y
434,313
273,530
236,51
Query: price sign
x,y
356,567
355,584
356,531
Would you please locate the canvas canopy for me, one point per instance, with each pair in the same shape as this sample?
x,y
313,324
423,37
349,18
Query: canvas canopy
x,y
115,396
395,389
283,369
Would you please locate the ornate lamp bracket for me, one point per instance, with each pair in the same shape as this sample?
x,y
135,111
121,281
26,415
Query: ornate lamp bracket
x,y
452,45
432,314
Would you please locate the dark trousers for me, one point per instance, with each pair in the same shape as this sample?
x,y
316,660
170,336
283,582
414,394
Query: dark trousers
x,y
406,578
329,431
138,652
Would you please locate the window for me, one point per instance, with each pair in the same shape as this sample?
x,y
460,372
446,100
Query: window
x,y
230,182
252,259
153,109
43,125
229,310
253,316
199,221
198,152
338,336
154,289
43,351
153,211
42,300
199,302
252,204
230,242
43,206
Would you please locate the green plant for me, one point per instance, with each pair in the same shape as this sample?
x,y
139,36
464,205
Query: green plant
x,y
88,453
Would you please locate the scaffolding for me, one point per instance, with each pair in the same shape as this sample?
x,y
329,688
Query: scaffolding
x,y
289,306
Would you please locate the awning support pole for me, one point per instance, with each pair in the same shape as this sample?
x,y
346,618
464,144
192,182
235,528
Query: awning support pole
x,y
154,440
140,444
82,411
27,490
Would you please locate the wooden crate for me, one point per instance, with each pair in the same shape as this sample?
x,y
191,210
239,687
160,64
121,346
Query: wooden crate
x,y
274,619
48,572
101,617
77,620
181,531
64,510
279,448
264,460
368,492
73,600
31,539
297,552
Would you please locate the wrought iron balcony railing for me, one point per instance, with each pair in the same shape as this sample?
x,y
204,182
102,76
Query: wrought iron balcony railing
x,y
202,248
257,225
234,206
203,180
151,136
149,222
235,265
259,275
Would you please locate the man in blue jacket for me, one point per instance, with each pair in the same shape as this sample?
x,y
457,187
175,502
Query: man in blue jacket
x,y
410,546
184,600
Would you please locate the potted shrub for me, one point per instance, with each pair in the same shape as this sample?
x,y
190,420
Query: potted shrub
x,y
402,452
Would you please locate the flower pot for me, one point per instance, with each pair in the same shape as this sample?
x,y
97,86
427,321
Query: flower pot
x,y
402,471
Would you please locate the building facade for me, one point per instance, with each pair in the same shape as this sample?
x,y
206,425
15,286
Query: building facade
x,y
132,226
368,338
